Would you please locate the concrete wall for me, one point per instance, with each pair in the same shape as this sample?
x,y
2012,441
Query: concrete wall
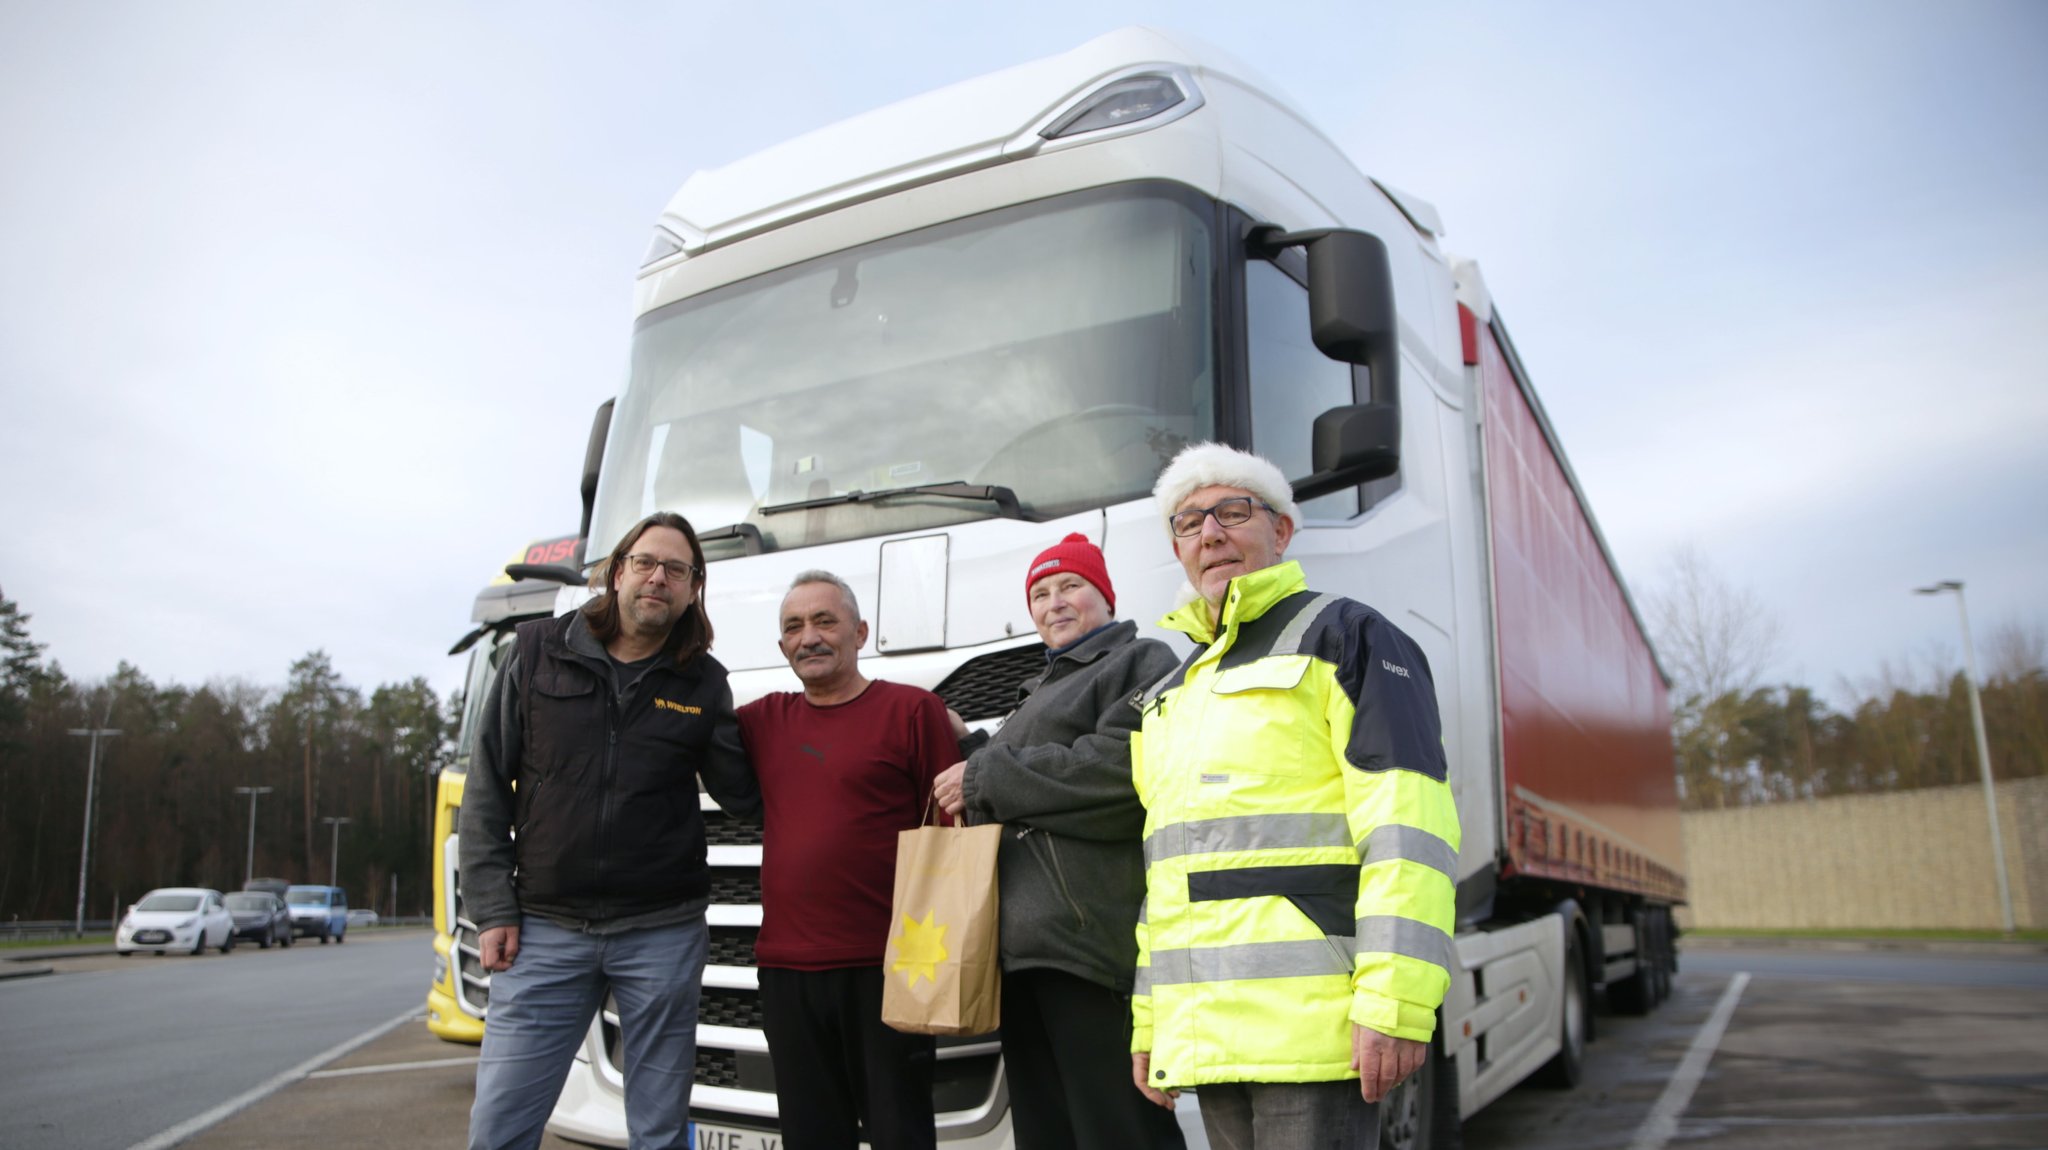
x,y
1909,860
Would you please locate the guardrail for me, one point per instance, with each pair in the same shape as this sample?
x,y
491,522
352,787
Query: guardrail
x,y
63,930
50,930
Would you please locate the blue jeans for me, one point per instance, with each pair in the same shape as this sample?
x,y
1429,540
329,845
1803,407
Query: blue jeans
x,y
541,1009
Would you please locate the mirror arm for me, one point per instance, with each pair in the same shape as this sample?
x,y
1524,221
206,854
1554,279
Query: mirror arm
x,y
546,573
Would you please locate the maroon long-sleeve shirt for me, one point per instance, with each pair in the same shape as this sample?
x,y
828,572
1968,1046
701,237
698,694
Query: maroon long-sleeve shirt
x,y
837,784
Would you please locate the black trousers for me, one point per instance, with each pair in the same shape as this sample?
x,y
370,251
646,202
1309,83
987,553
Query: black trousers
x,y
1067,1055
838,1070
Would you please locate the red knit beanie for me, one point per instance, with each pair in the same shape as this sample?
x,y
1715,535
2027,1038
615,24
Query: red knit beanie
x,y
1076,555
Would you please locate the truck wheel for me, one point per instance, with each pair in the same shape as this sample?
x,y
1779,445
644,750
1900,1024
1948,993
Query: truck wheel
x,y
1563,1072
1422,1113
1660,956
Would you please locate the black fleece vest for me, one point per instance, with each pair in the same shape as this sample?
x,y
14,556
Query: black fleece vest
x,y
606,819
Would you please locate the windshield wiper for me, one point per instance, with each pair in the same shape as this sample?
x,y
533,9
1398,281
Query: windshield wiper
x,y
1004,498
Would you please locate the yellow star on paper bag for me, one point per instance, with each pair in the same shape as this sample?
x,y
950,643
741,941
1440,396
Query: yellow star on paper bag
x,y
922,950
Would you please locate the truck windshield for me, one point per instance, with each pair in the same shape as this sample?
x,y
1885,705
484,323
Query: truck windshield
x,y
1061,349
485,660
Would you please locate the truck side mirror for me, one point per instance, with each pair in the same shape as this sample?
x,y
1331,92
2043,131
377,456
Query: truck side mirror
x,y
1351,305
1352,320
593,460
1351,445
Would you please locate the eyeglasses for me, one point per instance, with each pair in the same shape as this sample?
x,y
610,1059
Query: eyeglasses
x,y
1229,513
678,571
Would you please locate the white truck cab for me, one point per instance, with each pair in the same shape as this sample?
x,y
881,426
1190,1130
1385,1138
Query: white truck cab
x,y
917,347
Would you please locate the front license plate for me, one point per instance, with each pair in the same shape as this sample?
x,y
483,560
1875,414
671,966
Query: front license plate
x,y
704,1136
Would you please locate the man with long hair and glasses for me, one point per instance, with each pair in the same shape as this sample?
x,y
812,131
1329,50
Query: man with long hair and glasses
x,y
591,749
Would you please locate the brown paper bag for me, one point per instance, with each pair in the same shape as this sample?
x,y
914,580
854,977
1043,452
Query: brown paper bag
x,y
940,972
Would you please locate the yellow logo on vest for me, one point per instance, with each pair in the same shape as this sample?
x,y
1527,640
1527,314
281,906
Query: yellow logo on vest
x,y
678,708
923,949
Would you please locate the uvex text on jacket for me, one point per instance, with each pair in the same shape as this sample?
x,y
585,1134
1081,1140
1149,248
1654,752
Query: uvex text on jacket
x,y
1300,840
609,826
1058,776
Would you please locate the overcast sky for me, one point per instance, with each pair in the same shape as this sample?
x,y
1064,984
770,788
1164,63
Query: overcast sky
x,y
305,308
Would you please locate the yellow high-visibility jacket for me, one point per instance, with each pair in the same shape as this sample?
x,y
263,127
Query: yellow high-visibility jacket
x,y
1301,841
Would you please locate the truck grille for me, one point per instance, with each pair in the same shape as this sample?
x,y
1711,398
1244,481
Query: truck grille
x,y
733,945
472,981
739,1008
735,885
722,830
963,1080
985,687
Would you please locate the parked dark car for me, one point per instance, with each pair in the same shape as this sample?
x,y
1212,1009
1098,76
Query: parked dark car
x,y
261,916
276,886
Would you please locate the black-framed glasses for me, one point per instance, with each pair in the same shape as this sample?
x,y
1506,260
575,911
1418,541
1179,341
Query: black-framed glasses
x,y
1228,512
678,571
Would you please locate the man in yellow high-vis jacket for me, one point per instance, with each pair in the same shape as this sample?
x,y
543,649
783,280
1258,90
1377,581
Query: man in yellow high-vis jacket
x,y
1300,837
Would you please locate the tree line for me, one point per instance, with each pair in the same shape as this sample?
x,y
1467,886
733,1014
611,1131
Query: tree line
x,y
1740,741
165,811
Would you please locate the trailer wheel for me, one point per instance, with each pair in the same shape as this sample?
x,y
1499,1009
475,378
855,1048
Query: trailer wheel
x,y
1563,1071
1667,954
1640,992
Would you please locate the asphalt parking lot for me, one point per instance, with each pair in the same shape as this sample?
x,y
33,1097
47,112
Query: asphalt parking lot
x,y
1821,1048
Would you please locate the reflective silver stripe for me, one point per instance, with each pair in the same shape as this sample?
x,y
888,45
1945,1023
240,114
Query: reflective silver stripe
x,y
1291,635
1144,983
1247,833
1392,934
1301,959
1394,841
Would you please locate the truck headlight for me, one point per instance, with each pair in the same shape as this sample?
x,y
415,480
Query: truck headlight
x,y
1125,101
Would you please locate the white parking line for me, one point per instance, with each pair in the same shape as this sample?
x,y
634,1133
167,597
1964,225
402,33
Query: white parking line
x,y
388,1067
1662,1124
225,1110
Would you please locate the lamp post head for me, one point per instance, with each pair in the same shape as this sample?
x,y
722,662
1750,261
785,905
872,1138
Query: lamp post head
x,y
1938,588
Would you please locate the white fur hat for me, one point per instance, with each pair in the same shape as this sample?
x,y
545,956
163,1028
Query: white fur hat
x,y
1202,465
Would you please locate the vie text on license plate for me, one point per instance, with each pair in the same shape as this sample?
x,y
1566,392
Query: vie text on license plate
x,y
707,1137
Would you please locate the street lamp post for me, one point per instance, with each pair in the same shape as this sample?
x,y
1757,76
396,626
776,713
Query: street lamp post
x,y
92,770
249,867
1983,747
334,848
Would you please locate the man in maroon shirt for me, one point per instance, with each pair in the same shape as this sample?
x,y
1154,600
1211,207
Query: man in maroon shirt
x,y
844,765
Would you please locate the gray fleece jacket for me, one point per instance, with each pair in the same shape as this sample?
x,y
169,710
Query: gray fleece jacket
x,y
1058,777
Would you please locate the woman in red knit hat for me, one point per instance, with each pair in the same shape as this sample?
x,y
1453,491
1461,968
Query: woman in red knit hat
x,y
1057,775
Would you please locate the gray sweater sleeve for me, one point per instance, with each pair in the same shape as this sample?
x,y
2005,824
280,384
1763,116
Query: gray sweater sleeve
x,y
487,859
1080,789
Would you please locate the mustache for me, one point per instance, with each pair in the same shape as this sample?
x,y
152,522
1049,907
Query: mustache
x,y
813,649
